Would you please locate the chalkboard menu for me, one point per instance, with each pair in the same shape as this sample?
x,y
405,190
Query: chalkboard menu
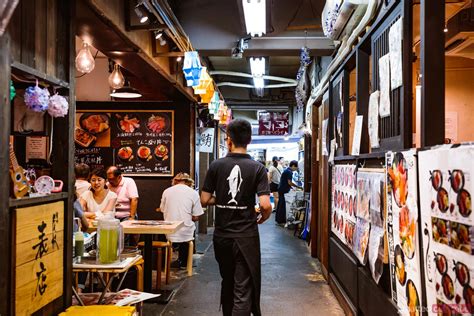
x,y
140,143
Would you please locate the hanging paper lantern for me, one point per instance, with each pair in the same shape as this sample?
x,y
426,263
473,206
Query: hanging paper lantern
x,y
204,82
222,110
58,106
207,97
302,87
36,99
229,117
214,104
192,68
12,91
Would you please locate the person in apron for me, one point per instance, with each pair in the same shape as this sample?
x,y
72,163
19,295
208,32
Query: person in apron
x,y
235,180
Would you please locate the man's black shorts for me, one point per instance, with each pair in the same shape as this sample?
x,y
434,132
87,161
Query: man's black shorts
x,y
273,187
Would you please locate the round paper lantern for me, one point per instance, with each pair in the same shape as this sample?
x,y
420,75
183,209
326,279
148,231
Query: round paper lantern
x,y
58,106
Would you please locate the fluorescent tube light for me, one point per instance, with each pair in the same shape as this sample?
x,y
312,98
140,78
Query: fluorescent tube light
x,y
257,67
255,17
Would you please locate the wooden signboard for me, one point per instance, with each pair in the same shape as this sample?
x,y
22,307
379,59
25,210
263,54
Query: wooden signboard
x,y
139,143
39,256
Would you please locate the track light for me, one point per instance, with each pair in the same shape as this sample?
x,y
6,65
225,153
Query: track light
x,y
158,34
179,58
162,41
141,12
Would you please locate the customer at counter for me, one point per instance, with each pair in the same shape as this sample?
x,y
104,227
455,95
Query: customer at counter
x,y
99,200
286,183
82,184
181,203
127,194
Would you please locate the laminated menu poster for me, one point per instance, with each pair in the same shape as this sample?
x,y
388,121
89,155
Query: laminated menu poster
x,y
344,200
369,226
446,183
402,231
139,143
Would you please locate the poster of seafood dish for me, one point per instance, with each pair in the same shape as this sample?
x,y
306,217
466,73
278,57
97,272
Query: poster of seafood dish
x,y
369,224
446,184
344,203
402,230
138,142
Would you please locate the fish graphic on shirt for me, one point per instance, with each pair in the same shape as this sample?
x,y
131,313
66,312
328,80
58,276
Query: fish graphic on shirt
x,y
235,181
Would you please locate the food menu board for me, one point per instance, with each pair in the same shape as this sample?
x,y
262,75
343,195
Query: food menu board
x,y
446,183
344,203
369,215
402,230
137,142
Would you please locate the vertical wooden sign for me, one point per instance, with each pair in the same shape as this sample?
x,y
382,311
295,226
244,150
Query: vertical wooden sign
x,y
39,233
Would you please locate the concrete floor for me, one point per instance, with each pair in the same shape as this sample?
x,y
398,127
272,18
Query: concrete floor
x,y
292,283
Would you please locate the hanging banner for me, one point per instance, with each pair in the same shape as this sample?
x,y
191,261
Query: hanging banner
x,y
272,123
395,36
206,140
384,77
446,183
344,200
373,122
402,230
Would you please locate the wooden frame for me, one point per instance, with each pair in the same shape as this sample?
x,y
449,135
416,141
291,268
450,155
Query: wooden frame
x,y
144,111
47,53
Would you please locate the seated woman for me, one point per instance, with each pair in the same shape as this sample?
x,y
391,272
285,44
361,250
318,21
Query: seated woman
x,y
181,203
99,200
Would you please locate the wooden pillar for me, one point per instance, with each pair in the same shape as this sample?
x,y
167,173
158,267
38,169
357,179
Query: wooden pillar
x,y
5,235
314,165
432,16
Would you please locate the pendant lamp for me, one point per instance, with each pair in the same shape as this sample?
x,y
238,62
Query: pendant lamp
x,y
126,92
192,68
116,79
85,63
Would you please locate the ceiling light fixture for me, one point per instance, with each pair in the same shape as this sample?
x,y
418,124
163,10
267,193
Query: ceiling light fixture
x,y
126,92
445,28
141,12
85,63
162,41
255,17
158,34
179,58
257,67
116,79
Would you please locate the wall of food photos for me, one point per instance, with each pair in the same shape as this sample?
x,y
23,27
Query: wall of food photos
x,y
446,183
386,203
137,142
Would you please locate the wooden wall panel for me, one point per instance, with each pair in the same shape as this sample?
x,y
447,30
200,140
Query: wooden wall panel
x,y
51,38
40,31
344,267
372,301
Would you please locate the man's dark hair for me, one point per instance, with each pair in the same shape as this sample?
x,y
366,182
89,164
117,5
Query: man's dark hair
x,y
81,171
240,131
294,163
115,171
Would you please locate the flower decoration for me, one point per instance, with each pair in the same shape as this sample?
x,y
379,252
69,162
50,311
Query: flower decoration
x,y
58,106
301,91
36,98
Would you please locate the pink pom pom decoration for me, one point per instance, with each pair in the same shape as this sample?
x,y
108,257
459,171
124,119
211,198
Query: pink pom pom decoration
x,y
58,106
36,99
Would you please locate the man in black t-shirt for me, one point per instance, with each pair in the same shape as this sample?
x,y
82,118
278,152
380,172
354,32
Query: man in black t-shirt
x,y
235,180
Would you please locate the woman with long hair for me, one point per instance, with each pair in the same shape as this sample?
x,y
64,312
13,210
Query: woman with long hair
x,y
99,200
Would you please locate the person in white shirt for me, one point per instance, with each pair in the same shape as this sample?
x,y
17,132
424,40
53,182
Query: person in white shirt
x,y
99,200
127,194
81,171
274,175
181,202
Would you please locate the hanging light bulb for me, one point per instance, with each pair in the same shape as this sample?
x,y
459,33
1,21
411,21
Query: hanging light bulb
x,y
84,61
179,58
116,79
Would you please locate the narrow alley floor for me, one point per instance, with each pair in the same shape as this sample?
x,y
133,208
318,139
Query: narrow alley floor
x,y
292,283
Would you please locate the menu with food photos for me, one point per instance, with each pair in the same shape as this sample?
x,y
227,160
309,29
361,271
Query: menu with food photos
x,y
446,180
402,231
344,203
139,143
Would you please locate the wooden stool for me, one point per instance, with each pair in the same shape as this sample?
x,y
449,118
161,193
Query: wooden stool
x,y
139,266
189,264
159,245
